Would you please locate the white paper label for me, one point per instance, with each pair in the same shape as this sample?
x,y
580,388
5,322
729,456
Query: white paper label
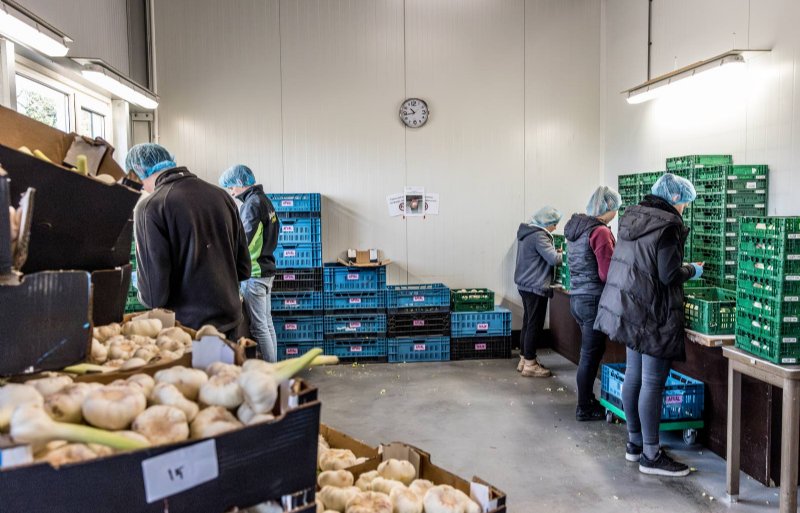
x,y
793,257
419,347
352,277
419,299
355,349
792,299
480,347
790,319
483,326
419,322
790,340
289,277
355,325
793,236
292,351
287,203
793,278
180,470
290,252
14,456
290,327
355,300
290,302
288,229
752,185
210,349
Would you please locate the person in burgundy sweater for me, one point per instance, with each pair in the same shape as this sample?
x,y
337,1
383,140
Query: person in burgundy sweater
x,y
590,246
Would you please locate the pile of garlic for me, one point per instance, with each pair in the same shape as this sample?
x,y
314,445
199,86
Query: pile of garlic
x,y
390,489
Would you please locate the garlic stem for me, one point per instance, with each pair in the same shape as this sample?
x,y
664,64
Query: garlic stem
x,y
296,365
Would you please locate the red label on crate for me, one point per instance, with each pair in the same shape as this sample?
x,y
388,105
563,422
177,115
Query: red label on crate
x,y
287,229
292,350
355,325
480,347
355,349
287,203
419,322
673,399
290,253
289,277
290,302
290,327
355,300
419,299
419,347
483,326
352,277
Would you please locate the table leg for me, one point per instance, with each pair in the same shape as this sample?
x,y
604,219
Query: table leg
x,y
734,431
790,438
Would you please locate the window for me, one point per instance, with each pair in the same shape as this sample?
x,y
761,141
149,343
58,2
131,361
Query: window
x,y
92,124
43,103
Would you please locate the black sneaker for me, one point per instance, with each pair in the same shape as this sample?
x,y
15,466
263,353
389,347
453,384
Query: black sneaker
x,y
633,452
662,465
589,413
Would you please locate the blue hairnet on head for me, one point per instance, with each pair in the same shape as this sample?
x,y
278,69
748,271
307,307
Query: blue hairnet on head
x,y
237,176
605,199
147,159
546,216
674,189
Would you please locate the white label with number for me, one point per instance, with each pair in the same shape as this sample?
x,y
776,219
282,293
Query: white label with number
x,y
355,300
290,327
290,253
418,322
480,347
355,349
752,185
355,325
290,302
792,299
419,299
177,471
419,347
287,203
483,326
790,319
352,277
292,351
289,277
288,229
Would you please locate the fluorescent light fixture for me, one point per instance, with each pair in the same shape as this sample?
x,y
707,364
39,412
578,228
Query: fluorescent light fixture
x,y
25,28
106,77
669,82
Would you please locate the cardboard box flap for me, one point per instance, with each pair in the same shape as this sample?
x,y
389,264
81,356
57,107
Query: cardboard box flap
x,y
403,452
339,440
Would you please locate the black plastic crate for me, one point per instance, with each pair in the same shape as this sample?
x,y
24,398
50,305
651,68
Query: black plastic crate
x,y
480,348
297,280
418,324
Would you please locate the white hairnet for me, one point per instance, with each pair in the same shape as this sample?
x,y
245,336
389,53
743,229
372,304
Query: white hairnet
x,y
546,216
605,199
674,189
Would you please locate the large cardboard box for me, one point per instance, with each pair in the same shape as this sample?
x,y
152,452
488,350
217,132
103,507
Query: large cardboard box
x,y
109,292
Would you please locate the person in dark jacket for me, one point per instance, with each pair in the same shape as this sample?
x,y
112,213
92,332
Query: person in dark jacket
x,y
261,227
191,249
590,245
642,307
536,258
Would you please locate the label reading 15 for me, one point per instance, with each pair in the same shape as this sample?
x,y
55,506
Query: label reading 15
x,y
177,471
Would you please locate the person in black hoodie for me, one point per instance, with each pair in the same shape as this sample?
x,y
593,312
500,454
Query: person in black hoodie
x,y
536,258
642,307
590,245
261,227
191,249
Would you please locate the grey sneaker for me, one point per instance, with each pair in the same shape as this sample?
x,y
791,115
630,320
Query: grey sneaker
x,y
662,465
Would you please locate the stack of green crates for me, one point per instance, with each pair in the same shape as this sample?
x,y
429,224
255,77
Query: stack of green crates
x,y
629,189
746,191
710,310
768,288
708,222
471,300
562,271
132,303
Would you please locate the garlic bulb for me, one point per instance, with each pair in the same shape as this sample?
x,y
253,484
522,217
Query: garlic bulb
x,y
113,407
50,384
365,480
99,352
121,349
188,381
420,487
336,459
405,501
162,424
147,353
260,390
446,499
244,413
254,364
145,381
398,470
69,453
337,478
65,405
144,327
13,395
133,363
178,334
223,368
168,394
222,390
337,498
369,502
208,330
213,421
104,333
383,485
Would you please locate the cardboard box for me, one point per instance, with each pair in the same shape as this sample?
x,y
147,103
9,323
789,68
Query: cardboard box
x,y
255,464
338,440
109,292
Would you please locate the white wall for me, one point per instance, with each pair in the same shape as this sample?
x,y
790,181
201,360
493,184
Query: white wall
x,y
754,118
306,92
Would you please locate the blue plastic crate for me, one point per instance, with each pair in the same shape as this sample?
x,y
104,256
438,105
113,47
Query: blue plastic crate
x,y
419,349
355,300
300,203
300,231
299,329
350,325
481,324
288,350
358,347
340,278
430,295
296,301
299,256
683,396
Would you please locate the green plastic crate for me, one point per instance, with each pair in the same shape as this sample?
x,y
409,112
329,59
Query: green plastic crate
x,y
710,200
711,311
471,300
627,180
780,350
698,161
712,214
756,199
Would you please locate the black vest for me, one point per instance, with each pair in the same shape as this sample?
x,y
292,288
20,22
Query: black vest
x,y
584,277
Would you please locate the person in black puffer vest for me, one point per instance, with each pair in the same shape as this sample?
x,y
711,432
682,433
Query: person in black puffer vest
x,y
642,307
590,245
533,275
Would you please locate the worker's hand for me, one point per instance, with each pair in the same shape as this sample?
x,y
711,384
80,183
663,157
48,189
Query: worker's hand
x,y
698,270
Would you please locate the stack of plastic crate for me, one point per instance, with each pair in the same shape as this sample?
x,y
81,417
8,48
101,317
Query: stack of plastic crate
x,y
297,287
629,189
708,223
132,303
418,322
478,328
768,288
562,271
746,192
355,312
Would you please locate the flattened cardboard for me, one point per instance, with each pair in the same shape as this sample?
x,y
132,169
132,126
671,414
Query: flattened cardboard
x,y
109,293
44,322
78,222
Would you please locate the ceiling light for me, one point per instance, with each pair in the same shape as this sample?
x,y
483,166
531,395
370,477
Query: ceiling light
x,y
106,77
25,28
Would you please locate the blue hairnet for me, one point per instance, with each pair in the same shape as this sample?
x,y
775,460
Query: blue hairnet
x,y
546,216
237,176
147,159
674,189
605,199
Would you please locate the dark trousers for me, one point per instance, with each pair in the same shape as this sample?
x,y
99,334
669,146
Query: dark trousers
x,y
532,323
593,345
645,377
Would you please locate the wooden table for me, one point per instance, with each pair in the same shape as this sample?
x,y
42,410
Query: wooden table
x,y
785,377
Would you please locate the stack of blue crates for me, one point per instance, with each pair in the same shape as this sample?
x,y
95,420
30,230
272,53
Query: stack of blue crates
x,y
355,312
418,323
480,335
297,302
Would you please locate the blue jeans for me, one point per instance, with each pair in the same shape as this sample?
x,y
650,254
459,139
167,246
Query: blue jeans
x,y
256,292
593,345
645,377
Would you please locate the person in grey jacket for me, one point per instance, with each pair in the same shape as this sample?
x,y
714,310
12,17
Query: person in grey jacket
x,y
536,258
642,307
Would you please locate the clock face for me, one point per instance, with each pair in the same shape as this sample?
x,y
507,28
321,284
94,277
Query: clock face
x,y
414,112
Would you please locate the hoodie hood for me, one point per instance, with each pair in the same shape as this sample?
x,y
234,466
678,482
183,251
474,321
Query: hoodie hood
x,y
652,214
526,229
580,224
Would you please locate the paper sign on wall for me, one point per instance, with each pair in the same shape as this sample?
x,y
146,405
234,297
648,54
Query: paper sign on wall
x,y
413,202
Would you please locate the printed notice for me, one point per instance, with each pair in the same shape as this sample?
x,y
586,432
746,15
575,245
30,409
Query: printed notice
x,y
177,471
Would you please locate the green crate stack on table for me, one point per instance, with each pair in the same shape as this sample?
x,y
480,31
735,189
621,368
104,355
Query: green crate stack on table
x,y
628,187
132,303
768,288
746,194
562,271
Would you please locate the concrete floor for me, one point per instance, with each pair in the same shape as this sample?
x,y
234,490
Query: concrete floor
x,y
481,418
